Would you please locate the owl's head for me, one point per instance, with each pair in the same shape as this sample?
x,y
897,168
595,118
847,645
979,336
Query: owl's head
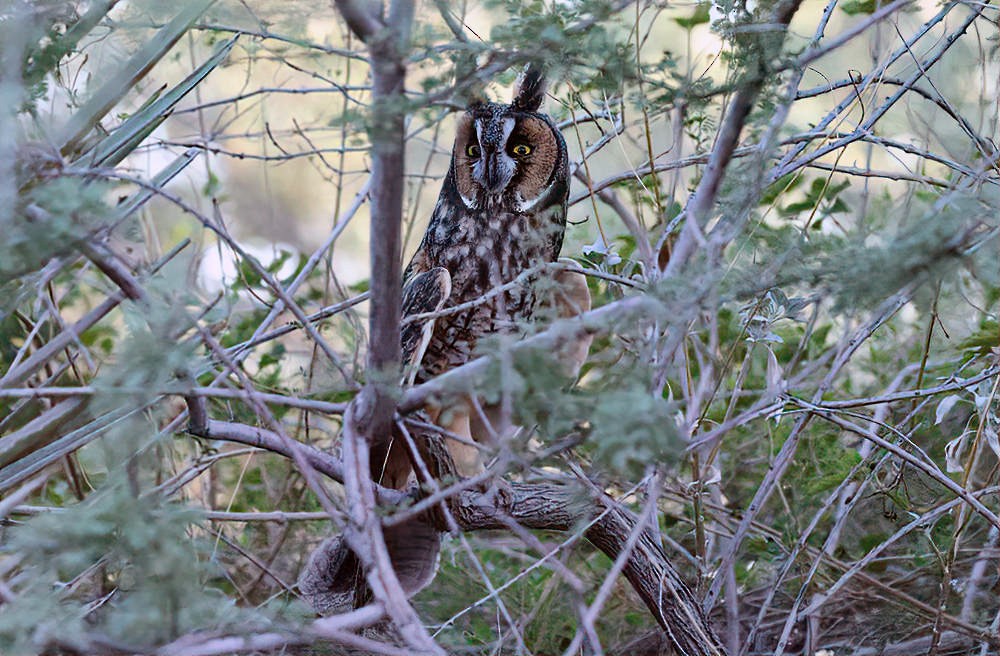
x,y
509,154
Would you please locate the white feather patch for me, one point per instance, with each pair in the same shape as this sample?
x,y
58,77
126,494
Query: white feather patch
x,y
522,205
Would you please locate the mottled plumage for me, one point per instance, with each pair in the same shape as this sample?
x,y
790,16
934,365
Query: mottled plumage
x,y
425,292
500,213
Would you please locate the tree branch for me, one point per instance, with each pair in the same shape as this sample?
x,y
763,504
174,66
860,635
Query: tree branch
x,y
533,506
369,418
359,19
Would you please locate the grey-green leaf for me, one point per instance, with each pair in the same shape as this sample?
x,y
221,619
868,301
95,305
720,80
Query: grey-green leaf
x,y
116,146
109,95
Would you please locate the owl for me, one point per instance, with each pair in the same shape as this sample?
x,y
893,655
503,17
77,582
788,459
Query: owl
x,y
501,212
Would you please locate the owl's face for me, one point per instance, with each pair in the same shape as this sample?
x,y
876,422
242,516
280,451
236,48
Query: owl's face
x,y
508,155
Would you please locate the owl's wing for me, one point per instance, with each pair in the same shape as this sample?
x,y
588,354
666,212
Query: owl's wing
x,y
424,293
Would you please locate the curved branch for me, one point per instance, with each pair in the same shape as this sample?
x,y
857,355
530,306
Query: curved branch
x,y
542,507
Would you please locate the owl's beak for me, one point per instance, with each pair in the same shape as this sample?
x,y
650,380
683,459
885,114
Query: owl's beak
x,y
496,172
492,178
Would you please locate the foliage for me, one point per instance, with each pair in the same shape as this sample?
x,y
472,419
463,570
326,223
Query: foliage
x,y
594,58
625,425
149,571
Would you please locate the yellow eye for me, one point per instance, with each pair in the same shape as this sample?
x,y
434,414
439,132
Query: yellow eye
x,y
521,149
473,151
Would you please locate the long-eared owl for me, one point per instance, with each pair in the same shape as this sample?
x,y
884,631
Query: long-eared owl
x,y
501,211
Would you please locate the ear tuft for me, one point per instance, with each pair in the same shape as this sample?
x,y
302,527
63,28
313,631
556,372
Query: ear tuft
x,y
530,89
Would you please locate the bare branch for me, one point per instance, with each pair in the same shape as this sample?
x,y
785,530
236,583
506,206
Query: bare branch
x,y
359,18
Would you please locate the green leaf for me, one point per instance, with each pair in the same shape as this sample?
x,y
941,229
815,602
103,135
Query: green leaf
x,y
838,207
855,7
984,340
211,186
780,186
273,356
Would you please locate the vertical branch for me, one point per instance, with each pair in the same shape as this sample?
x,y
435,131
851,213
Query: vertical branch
x,y
387,44
364,534
370,416
386,204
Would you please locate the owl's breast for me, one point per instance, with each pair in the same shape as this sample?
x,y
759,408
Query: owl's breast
x,y
483,254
